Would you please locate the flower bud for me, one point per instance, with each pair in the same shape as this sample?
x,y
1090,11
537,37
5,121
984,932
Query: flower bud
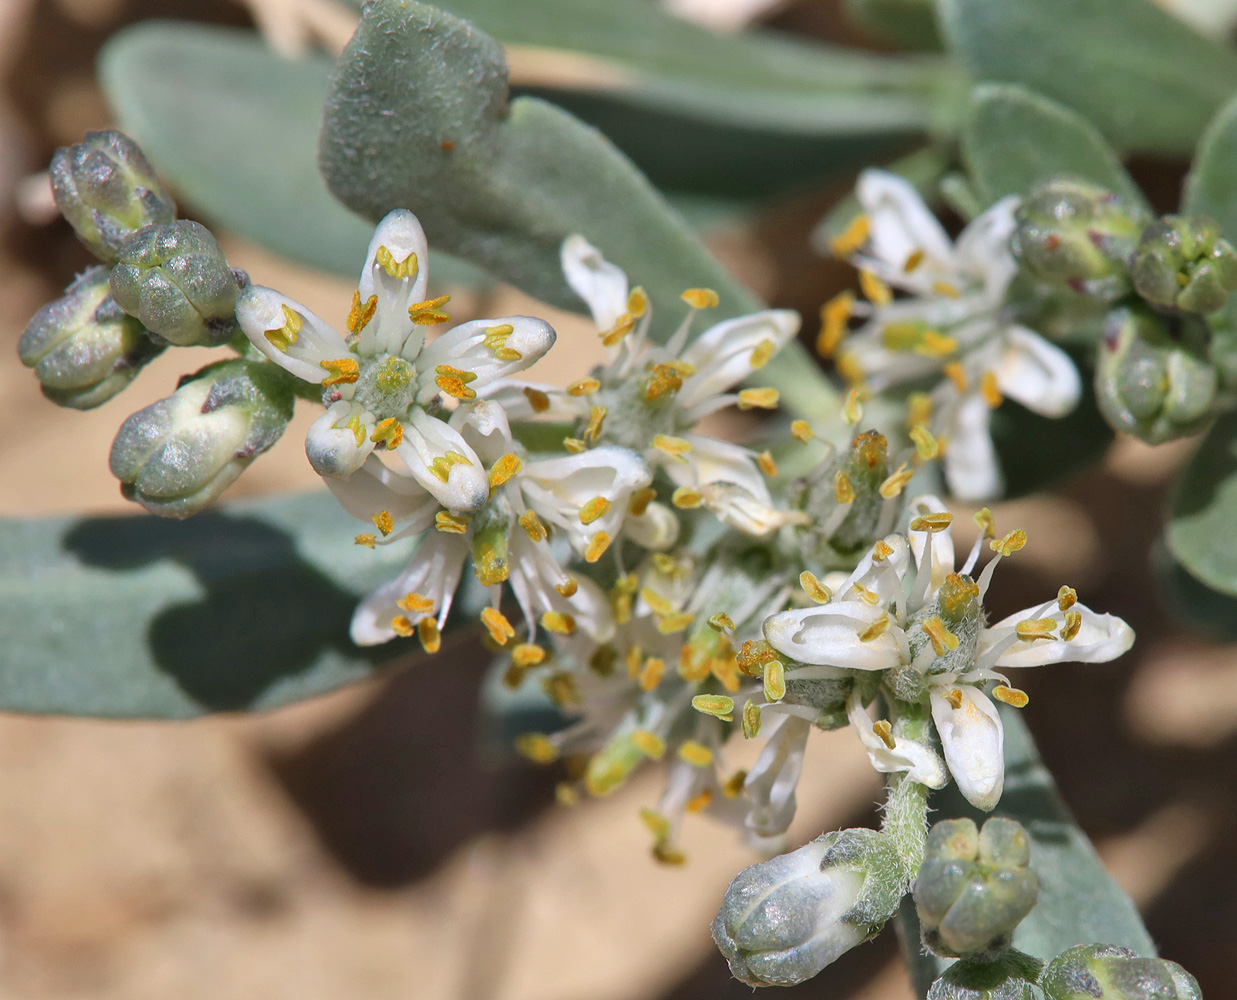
x,y
1106,972
974,887
175,279
1183,263
107,190
82,347
1078,235
1153,377
844,504
1009,977
178,455
785,919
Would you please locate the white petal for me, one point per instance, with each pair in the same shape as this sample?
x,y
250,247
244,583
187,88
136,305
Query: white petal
x,y
433,572
920,761
426,440
259,310
829,634
602,285
711,460
971,467
518,398
374,488
1100,639
534,573
332,446
476,347
983,250
875,576
656,529
485,428
722,355
1037,374
771,783
735,506
974,743
942,541
901,223
402,236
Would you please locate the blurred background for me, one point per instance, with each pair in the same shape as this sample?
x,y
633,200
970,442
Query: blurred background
x,y
373,844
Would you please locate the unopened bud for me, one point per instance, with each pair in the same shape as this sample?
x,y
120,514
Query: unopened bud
x,y
1153,377
175,279
785,919
1183,263
974,887
178,455
1106,972
1078,235
844,502
107,190
82,347
1009,977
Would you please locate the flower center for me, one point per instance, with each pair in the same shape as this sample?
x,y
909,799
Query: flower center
x,y
386,386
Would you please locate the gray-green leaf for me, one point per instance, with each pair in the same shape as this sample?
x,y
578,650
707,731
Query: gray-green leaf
x,y
1202,508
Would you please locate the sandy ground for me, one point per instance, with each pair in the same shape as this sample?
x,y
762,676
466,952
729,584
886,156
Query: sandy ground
x,y
367,845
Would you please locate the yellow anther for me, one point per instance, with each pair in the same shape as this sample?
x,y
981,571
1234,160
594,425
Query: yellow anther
x,y
674,447
696,754
496,342
932,522
954,697
834,317
751,720
657,824
1030,629
957,375
594,509
867,596
649,744
733,786
686,498
881,551
532,526
775,681
664,379
651,673
451,524
402,626
1067,597
721,622
882,729
720,706
427,632
659,604
667,854
597,546
913,260
1010,544
801,430
568,588
429,312
640,501
537,747
700,298
383,521
878,293
894,485
416,603
946,289
876,629
843,489
957,593
561,688
596,417
1011,696
990,390
635,660
527,654
985,522
389,432
537,399
406,268
674,622
848,366
575,445
285,336
583,387
814,589
441,466
918,409
454,382
637,302
852,238
767,465
942,639
626,323
763,399
490,564
360,314
926,446
369,541
497,625
852,405
700,802
936,345
1073,623
558,622
502,470
343,371
761,354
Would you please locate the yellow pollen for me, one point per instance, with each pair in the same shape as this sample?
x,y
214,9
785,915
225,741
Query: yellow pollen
x,y
761,354
1010,695
946,289
344,371
675,622
626,323
918,409
575,445
537,747
854,236
932,522
441,466
990,390
429,312
1073,623
558,623
956,593
651,673
849,368
1031,629
936,345
406,268
597,546
801,430
696,754
775,681
878,293
884,730
416,603
942,639
660,605
584,387
867,596
640,501
454,382
527,654
719,706
700,298
665,379
285,336
594,509
497,625
568,588
881,551
360,315
957,375
502,470
954,697
734,784
667,854
913,260
751,720
427,632
1010,544
814,589
852,406
721,622
764,399
686,498
637,302
649,744
674,447
698,803
894,485
1067,597
834,317
596,417
367,540
537,399
401,626
876,629
450,524
985,522
496,342
389,432
926,446
767,465
383,521
843,489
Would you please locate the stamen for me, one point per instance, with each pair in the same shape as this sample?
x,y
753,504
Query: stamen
x,y
701,298
932,522
568,588
389,432
698,803
942,639
686,498
675,622
852,406
537,399
985,522
877,629
594,509
532,526
343,371
497,625
285,336
625,324
441,466
957,375
502,470
367,540
751,720
597,547
637,302
696,754
1010,696
454,382
834,317
558,622
849,368
674,447
884,730
761,354
801,430
575,445
527,654
878,293
649,744
402,626
416,603
1067,597
450,523
406,268
764,399
894,485
665,379
990,390
912,262
1073,624
719,706
360,315
429,312
954,697
583,387
383,521
843,490
427,632
1035,628
1010,544
721,622
733,787
775,681
596,417
767,465
852,238
496,341
814,589
918,409
652,673
537,747
946,289
865,595
926,446
640,501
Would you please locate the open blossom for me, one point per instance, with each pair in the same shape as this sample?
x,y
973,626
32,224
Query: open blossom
x,y
951,328
907,613
382,382
650,397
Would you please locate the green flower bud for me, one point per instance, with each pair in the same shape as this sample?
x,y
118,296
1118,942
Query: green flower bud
x,y
1153,376
1183,263
82,347
1075,234
178,455
108,191
974,887
844,502
1009,977
785,919
1106,972
175,279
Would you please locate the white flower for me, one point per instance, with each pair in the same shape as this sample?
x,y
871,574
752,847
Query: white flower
x,y
906,612
650,397
382,382
953,326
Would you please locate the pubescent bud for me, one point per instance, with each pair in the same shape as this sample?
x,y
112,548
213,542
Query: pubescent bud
x,y
1183,263
843,501
1075,234
107,190
974,887
1009,977
1106,972
785,919
178,455
175,279
82,347
1153,377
